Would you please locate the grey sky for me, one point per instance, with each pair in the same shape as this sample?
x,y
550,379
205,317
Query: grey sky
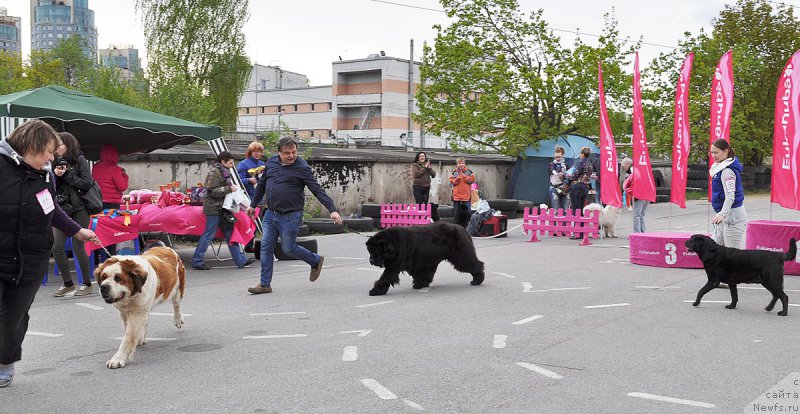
x,y
305,36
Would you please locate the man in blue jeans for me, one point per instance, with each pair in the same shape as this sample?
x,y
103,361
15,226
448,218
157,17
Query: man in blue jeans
x,y
284,181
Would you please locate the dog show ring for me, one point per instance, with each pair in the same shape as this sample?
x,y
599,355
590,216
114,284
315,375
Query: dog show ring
x,y
773,235
662,249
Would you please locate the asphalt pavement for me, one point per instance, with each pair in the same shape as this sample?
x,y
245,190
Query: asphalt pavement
x,y
555,328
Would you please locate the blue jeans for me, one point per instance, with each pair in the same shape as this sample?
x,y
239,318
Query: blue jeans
x,y
212,222
285,225
558,201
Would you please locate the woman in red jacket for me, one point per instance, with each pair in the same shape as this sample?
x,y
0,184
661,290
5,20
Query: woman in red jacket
x,y
111,178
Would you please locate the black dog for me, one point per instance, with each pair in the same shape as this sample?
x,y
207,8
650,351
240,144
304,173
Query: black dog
x,y
418,250
734,266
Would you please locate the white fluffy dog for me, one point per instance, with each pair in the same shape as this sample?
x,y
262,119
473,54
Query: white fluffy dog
x,y
608,217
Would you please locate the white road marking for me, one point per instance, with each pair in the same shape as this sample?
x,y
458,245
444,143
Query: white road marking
x,y
557,289
89,306
708,301
374,304
362,332
539,370
302,265
499,341
619,261
277,313
607,306
148,339
504,275
526,287
167,314
350,354
275,336
526,320
648,287
413,405
694,225
45,334
369,269
349,258
762,288
426,289
670,400
378,389
792,304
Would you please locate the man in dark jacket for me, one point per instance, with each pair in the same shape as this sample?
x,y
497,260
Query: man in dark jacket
x,y
284,181
29,210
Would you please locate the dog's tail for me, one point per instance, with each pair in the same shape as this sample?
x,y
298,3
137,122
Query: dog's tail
x,y
593,207
792,252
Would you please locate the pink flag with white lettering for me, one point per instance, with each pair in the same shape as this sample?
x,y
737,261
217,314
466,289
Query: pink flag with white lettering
x,y
680,136
644,188
786,144
721,104
609,169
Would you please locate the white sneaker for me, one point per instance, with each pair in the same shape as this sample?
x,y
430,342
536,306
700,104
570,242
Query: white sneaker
x,y
84,290
64,291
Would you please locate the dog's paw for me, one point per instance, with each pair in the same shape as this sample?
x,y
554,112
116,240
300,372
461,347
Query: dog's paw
x,y
477,279
731,306
696,303
769,308
179,321
115,362
783,313
375,292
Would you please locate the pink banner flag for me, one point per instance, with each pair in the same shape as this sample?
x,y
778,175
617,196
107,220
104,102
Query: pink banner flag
x,y
721,104
680,136
609,169
644,188
786,144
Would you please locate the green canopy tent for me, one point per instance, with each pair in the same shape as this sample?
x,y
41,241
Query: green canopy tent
x,y
96,121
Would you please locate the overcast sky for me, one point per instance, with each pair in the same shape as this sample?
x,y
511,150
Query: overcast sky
x,y
305,36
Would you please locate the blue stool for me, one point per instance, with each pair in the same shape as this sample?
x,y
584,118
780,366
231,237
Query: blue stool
x,y
68,248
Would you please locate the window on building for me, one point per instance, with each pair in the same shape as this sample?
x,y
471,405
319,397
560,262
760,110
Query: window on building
x,y
49,43
69,28
50,35
294,108
60,36
330,106
247,111
263,84
311,135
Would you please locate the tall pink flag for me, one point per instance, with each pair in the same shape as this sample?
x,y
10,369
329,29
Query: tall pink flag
x,y
644,188
786,144
680,136
721,104
609,169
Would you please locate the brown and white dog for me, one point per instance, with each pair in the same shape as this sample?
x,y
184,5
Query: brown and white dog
x,y
135,284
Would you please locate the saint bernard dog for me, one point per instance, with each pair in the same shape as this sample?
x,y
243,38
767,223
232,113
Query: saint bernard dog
x,y
135,284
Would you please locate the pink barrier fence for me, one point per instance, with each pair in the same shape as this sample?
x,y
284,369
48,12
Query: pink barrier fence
x,y
560,223
393,215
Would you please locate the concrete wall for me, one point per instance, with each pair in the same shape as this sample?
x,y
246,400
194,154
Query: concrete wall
x,y
349,183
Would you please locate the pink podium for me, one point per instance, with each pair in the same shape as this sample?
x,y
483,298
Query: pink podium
x,y
775,236
662,250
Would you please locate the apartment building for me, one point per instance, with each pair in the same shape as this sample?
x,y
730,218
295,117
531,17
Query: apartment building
x,y
125,59
10,35
53,20
367,105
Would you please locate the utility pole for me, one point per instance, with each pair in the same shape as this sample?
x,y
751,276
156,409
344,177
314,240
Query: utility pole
x,y
410,133
422,124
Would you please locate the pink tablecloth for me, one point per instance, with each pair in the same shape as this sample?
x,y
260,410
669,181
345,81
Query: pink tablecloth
x,y
113,230
775,236
662,250
189,220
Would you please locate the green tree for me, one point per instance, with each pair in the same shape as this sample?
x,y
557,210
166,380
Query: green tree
x,y
78,68
196,49
763,36
498,79
43,69
11,73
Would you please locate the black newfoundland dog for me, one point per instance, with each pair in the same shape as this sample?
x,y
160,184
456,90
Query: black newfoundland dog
x,y
734,266
418,250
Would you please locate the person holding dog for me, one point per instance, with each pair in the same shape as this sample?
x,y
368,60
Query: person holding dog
x,y
461,180
421,174
219,184
29,213
581,177
559,193
284,182
727,196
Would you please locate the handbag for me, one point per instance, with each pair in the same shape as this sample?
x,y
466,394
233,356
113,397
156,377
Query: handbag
x,y
226,219
92,199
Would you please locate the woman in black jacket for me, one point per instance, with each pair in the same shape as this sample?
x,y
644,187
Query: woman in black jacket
x,y
72,175
28,209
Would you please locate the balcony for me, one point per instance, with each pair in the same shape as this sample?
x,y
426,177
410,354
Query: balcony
x,y
360,137
370,99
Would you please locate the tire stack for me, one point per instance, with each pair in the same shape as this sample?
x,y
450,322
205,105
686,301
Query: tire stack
x,y
372,211
507,207
446,214
697,178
